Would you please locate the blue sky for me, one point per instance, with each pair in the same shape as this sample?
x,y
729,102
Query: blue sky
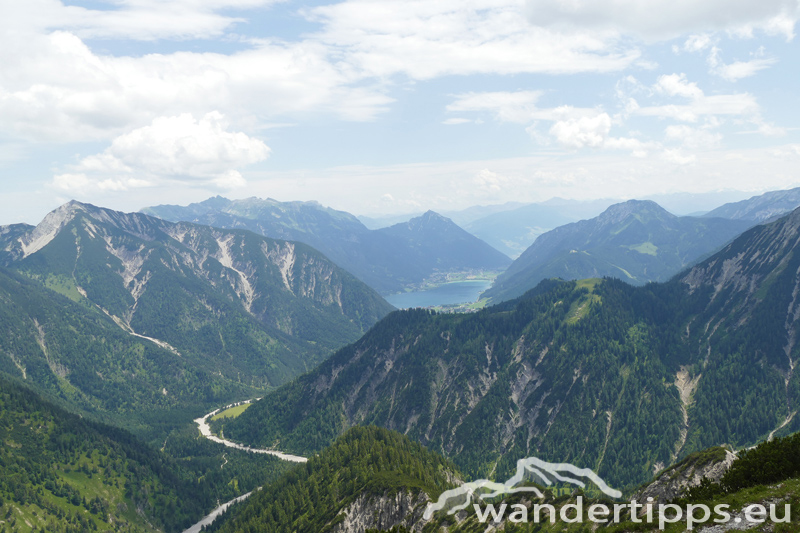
x,y
389,106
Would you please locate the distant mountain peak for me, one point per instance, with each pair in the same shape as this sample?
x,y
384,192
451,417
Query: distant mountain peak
x,y
619,212
389,259
427,220
637,241
430,215
50,226
215,202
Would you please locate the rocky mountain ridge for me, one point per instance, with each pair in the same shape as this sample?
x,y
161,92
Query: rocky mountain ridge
x,y
388,259
250,310
761,208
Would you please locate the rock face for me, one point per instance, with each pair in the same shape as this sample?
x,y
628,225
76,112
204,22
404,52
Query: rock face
x,y
383,512
673,482
486,389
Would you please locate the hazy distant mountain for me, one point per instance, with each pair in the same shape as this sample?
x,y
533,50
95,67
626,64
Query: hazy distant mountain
x,y
378,222
636,241
463,217
460,217
513,231
388,259
760,208
433,242
688,204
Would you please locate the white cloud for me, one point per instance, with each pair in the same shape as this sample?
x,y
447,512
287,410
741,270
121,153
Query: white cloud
x,y
54,87
769,130
743,69
178,148
573,128
676,156
594,132
725,104
507,106
693,138
738,69
489,182
664,19
596,174
699,105
456,121
789,151
423,40
582,132
678,85
144,20
638,148
697,43
69,181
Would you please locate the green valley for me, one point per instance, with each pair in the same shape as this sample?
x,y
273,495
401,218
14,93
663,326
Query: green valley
x,y
60,472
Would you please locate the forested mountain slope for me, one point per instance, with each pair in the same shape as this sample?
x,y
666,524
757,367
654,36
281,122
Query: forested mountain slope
x,y
389,259
620,379
369,478
60,472
636,241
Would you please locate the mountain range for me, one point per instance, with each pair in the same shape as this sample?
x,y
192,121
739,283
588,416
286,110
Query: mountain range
x,y
761,208
389,259
636,241
621,379
126,313
112,320
513,231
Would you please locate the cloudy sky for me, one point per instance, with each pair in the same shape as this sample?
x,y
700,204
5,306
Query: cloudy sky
x,y
387,106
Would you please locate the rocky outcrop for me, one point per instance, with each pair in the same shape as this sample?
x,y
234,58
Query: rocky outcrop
x,y
383,512
676,480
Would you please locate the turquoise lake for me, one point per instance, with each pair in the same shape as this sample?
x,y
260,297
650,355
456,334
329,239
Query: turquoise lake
x,y
457,292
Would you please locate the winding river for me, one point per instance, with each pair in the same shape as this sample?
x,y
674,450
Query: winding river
x,y
205,430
